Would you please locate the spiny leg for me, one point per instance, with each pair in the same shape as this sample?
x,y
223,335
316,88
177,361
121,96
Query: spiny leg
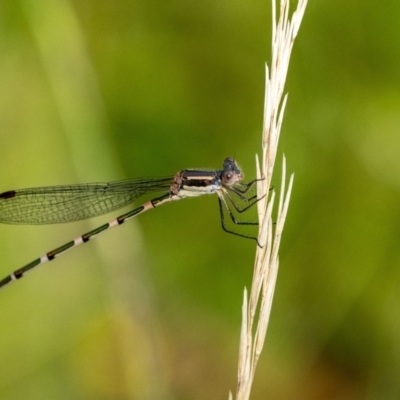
x,y
250,202
247,186
223,208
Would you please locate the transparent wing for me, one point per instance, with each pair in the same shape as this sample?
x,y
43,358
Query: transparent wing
x,y
67,203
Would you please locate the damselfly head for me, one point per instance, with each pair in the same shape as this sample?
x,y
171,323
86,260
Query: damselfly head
x,y
231,172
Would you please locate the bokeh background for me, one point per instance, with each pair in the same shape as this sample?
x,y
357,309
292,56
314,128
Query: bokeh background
x,y
106,90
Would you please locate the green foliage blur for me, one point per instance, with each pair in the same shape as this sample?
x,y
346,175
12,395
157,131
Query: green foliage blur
x,y
107,90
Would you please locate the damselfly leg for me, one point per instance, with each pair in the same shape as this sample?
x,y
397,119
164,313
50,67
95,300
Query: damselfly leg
x,y
234,201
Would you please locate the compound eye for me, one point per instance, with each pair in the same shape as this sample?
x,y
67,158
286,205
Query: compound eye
x,y
228,178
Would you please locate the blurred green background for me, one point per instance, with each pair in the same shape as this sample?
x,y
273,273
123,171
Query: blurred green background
x,y
107,90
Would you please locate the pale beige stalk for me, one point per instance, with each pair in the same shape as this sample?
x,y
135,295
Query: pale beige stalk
x,y
254,327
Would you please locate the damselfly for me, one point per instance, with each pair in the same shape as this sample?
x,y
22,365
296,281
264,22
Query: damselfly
x,y
59,204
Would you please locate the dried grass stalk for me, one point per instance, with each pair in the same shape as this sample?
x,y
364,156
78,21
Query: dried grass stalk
x,y
256,309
